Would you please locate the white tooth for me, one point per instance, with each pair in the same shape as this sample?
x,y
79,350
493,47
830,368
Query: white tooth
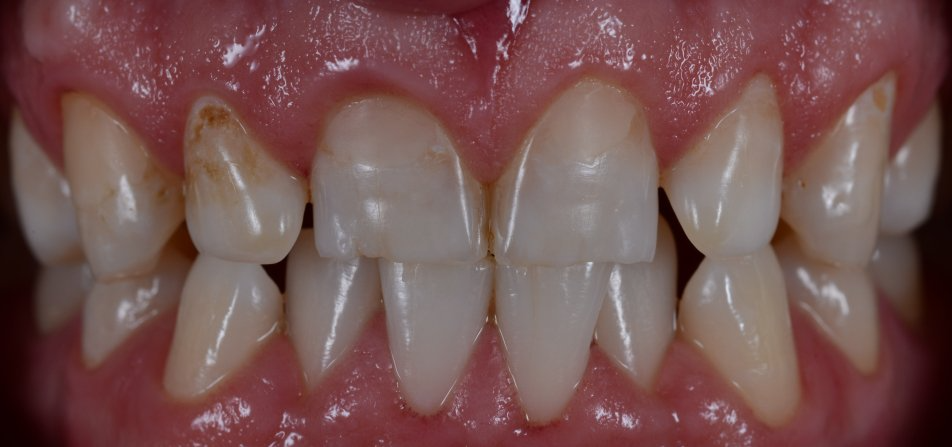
x,y
583,188
114,310
387,182
228,310
435,312
329,302
546,316
241,204
735,311
60,291
43,200
637,320
126,203
726,190
895,269
832,200
911,177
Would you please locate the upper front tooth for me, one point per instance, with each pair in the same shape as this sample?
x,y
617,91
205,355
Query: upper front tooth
x,y
832,200
242,205
387,182
584,187
127,204
726,190
911,177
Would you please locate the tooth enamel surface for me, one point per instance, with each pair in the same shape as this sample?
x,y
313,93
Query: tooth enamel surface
x,y
911,177
895,270
735,311
833,199
387,182
59,293
637,320
114,310
546,316
127,205
329,302
434,315
46,212
227,311
584,186
726,190
241,204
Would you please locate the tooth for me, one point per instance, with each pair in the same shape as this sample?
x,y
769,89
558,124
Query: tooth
x,y
911,177
126,203
329,302
637,320
435,312
726,190
895,270
583,188
832,200
735,311
546,316
114,310
60,291
43,200
227,311
241,204
387,182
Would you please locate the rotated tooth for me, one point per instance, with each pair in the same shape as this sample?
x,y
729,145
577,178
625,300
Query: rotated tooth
x,y
59,293
228,310
726,190
435,312
637,320
114,310
126,203
387,182
735,311
329,302
832,200
911,177
583,188
895,269
546,316
43,200
241,204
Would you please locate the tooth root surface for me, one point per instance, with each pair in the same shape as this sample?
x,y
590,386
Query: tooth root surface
x,y
127,205
546,316
227,311
583,188
386,182
329,303
242,205
46,211
637,320
59,293
895,270
832,201
911,175
726,190
735,311
435,312
114,310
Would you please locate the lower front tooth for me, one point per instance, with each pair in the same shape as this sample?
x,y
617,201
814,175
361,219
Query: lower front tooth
x,y
546,316
435,312
227,311
896,271
60,291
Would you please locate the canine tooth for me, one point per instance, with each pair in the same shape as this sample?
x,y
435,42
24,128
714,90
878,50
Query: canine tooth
x,y
241,204
435,312
387,182
114,310
735,311
637,320
60,291
227,311
329,302
832,200
127,205
583,188
546,316
726,190
46,212
911,177
895,270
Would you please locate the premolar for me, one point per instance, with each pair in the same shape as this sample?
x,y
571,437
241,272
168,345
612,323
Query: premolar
x,y
911,177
